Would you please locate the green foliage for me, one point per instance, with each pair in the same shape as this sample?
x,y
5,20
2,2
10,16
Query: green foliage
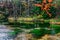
x,y
2,16
43,24
56,28
2,9
40,1
27,26
36,10
46,16
14,24
53,11
16,30
38,32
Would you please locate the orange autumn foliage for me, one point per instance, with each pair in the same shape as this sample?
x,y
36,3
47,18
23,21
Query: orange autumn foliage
x,y
39,5
50,1
48,13
44,1
45,6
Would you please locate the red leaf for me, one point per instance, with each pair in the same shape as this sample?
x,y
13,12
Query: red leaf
x,y
50,1
38,5
44,1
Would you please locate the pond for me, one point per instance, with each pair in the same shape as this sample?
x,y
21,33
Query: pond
x,y
6,34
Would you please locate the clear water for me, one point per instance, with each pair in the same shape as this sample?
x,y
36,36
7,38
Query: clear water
x,y
4,33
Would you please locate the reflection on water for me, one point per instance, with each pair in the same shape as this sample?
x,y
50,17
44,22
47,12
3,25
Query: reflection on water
x,y
5,33
53,31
